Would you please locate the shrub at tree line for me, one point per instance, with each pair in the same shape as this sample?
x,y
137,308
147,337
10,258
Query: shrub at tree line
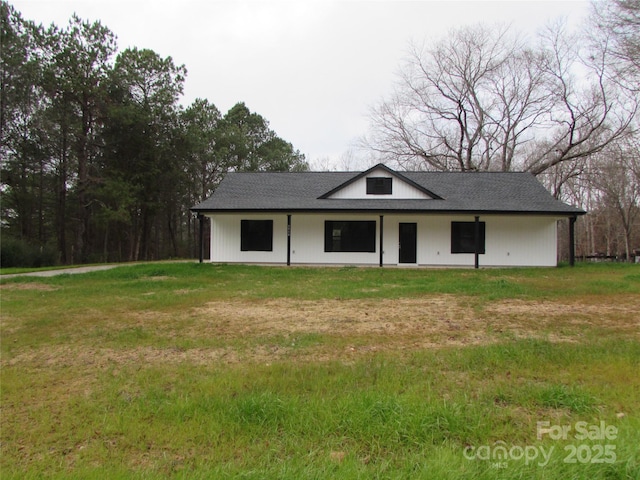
x,y
15,253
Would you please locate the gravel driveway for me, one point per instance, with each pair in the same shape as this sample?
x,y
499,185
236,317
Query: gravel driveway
x,y
61,271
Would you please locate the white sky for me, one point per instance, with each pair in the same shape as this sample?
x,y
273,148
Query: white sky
x,y
312,68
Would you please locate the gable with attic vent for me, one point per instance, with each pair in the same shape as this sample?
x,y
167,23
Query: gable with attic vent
x,y
379,183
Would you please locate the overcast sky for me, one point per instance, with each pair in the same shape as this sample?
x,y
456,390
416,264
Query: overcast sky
x,y
311,68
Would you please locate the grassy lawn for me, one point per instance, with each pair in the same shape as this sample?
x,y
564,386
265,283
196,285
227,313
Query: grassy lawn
x,y
206,371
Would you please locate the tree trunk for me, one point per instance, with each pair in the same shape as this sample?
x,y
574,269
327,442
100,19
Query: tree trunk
x,y
61,217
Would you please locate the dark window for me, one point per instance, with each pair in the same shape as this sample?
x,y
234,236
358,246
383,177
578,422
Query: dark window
x,y
256,235
355,236
463,237
379,186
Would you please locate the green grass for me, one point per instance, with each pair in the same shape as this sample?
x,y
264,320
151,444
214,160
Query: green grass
x,y
124,374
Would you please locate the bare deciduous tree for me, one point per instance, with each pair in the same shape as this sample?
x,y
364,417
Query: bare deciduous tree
x,y
619,184
617,22
463,104
483,99
588,112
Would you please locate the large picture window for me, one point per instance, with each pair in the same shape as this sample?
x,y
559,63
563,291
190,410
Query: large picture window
x,y
353,236
256,235
379,185
463,237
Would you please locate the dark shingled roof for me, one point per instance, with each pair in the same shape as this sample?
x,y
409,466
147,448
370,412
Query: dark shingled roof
x,y
469,192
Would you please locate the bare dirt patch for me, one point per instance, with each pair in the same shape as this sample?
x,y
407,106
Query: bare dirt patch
x,y
442,313
335,316
622,314
101,358
267,330
625,307
29,286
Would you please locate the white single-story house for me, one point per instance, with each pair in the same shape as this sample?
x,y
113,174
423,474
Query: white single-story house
x,y
385,217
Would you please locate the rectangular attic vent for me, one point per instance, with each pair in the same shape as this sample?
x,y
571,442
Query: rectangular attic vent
x,y
379,185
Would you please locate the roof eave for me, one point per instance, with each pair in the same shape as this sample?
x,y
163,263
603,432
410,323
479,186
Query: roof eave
x,y
552,213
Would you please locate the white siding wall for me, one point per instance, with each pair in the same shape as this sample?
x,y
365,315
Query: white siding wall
x,y
400,189
307,240
523,241
510,240
225,239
